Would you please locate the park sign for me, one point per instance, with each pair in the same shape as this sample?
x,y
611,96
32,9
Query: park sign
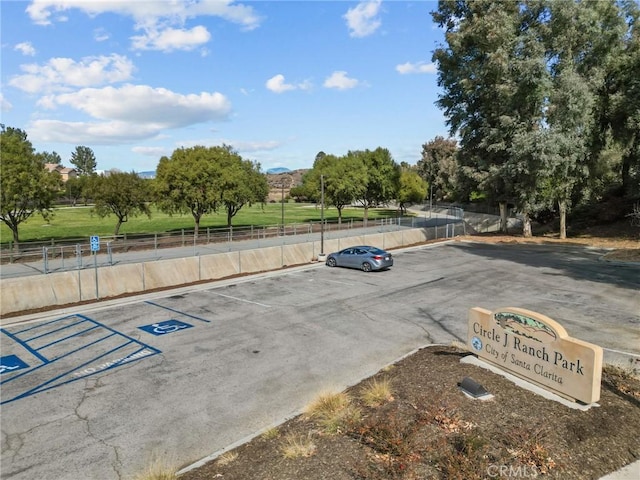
x,y
538,349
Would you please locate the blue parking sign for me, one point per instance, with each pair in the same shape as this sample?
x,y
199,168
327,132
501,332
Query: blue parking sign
x,y
95,243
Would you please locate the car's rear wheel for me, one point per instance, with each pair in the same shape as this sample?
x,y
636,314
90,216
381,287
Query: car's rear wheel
x,y
331,262
366,267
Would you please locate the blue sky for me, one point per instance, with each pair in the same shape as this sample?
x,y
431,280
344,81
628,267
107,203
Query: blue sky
x,y
279,81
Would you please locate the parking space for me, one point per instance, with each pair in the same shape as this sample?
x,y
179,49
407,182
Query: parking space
x,y
47,355
98,392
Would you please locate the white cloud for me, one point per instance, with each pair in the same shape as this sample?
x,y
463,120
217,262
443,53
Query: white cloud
x,y
161,22
419,67
151,151
144,104
25,48
96,133
363,19
60,73
244,147
341,81
100,35
277,84
5,105
126,114
171,39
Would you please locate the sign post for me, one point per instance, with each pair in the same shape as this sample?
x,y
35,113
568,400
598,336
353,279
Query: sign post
x,y
95,247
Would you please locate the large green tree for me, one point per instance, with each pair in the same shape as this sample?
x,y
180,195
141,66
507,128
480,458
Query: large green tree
x,y
84,160
198,180
240,182
618,120
185,183
26,186
382,180
439,167
520,81
344,180
121,194
483,99
412,189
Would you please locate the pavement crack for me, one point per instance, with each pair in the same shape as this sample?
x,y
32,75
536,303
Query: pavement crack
x,y
440,324
90,386
13,442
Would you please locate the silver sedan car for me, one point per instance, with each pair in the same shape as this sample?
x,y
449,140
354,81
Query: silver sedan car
x,y
366,258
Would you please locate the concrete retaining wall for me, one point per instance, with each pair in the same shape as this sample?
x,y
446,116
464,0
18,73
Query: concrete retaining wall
x,y
62,288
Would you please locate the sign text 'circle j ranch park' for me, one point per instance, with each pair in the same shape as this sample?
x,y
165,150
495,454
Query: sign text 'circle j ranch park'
x,y
538,349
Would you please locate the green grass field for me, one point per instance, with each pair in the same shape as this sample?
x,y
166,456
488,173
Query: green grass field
x,y
80,222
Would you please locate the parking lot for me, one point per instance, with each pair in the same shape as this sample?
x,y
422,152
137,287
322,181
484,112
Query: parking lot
x,y
97,392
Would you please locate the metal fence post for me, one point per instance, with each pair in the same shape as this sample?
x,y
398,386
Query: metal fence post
x,y
45,258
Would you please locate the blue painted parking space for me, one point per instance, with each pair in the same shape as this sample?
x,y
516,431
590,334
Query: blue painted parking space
x,y
166,327
11,363
55,353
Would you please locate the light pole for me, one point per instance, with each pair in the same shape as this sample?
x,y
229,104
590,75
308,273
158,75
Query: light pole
x,y
322,215
282,205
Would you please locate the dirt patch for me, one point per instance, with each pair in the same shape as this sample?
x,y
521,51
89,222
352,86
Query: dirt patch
x,y
429,429
620,249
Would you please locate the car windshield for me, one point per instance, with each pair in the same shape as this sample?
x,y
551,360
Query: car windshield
x,y
377,251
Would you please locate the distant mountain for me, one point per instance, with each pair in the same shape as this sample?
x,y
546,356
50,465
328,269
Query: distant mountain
x,y
277,170
147,174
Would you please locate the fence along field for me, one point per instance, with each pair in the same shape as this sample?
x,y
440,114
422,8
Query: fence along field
x,y
67,234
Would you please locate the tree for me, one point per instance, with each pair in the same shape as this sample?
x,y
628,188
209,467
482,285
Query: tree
x,y
121,194
240,183
582,40
26,186
439,167
84,160
46,157
298,193
413,189
74,188
480,87
382,180
344,180
618,120
199,179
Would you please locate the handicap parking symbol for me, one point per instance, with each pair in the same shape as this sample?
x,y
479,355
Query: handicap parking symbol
x,y
11,363
163,328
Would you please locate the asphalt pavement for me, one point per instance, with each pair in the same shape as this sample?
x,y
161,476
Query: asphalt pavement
x,y
97,391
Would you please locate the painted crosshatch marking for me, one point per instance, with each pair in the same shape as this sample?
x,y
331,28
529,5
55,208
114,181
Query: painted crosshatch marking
x,y
163,328
65,350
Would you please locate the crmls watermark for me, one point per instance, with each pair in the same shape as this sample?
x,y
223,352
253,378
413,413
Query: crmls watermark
x,y
509,471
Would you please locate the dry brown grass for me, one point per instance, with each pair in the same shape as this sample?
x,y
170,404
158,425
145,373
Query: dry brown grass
x,y
376,391
295,446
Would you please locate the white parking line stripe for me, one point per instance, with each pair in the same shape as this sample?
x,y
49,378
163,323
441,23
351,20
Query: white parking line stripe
x,y
240,299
